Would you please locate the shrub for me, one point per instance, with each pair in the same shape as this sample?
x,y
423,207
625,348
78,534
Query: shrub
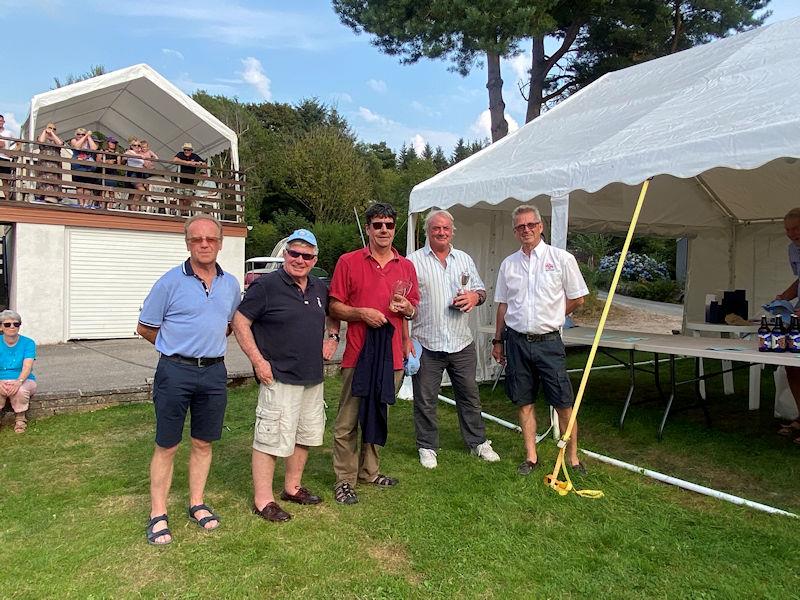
x,y
335,239
637,267
660,290
261,240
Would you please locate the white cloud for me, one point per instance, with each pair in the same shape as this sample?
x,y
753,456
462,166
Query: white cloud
x,y
520,65
373,117
223,88
419,144
337,97
254,75
482,127
372,127
425,110
12,126
171,52
377,85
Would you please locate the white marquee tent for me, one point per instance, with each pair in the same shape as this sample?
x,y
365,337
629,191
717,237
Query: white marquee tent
x,y
717,127
134,101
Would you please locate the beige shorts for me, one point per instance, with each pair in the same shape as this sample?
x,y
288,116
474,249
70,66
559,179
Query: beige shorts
x,y
287,415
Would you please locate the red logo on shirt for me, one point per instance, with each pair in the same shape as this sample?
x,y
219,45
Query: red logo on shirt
x,y
549,267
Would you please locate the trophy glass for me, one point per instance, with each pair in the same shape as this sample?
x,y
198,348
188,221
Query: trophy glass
x,y
400,289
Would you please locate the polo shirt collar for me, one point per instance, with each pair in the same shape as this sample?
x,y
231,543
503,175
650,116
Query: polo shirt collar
x,y
188,270
365,252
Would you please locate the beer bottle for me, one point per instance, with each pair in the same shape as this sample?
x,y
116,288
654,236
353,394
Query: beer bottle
x,y
778,336
793,337
764,336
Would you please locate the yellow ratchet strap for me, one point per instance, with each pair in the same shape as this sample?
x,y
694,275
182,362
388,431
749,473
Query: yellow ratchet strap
x,y
565,487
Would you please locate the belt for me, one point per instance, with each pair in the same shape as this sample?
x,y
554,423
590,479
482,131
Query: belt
x,y
538,337
203,361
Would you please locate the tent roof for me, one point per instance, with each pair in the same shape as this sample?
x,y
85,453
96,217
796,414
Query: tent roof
x,y
135,101
690,117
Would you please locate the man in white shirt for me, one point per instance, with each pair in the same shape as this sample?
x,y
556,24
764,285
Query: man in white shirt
x,y
537,287
450,288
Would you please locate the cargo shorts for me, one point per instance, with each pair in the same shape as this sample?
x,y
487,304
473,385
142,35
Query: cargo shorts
x,y
287,415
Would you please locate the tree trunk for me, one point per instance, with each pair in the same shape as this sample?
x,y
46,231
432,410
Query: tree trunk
x,y
538,74
497,107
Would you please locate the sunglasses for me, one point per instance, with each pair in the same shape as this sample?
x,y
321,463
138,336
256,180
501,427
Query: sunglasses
x,y
378,225
304,255
523,226
12,324
200,239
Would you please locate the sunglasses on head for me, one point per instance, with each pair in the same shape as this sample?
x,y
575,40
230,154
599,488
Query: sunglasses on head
x,y
12,324
303,255
377,225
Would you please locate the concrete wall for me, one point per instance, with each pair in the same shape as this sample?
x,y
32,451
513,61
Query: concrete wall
x,y
39,289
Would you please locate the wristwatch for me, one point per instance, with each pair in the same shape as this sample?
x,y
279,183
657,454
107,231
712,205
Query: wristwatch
x,y
497,341
333,336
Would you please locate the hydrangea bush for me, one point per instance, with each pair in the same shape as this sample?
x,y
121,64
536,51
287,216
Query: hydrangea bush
x,y
637,267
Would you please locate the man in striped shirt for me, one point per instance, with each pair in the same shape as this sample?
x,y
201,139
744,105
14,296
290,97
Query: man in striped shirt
x,y
450,288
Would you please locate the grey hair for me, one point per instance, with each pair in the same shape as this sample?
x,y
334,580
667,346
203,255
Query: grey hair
x,y
10,314
792,214
525,208
191,220
301,243
439,213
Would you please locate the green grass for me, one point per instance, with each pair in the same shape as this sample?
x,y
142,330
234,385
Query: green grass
x,y
74,501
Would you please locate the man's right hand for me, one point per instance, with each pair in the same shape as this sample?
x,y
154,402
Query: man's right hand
x,y
373,317
264,372
499,354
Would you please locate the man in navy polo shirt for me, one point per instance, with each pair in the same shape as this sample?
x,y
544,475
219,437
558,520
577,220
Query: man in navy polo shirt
x,y
187,316
281,327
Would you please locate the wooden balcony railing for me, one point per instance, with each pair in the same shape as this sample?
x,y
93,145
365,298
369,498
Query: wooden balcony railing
x,y
40,177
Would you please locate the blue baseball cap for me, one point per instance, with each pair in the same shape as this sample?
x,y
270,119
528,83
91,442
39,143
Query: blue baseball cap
x,y
303,235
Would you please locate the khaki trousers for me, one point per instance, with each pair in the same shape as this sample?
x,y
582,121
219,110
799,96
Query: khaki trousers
x,y
349,464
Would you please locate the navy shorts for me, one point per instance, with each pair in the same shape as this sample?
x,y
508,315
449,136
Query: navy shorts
x,y
179,388
531,363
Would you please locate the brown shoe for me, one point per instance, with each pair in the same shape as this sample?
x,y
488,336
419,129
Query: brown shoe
x,y
303,496
272,512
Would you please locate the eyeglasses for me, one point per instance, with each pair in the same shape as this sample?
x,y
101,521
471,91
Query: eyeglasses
x,y
305,255
201,239
523,226
378,225
12,324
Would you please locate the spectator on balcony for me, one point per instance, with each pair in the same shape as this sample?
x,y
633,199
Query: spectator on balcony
x,y
188,163
50,146
6,168
83,146
149,155
112,155
17,382
135,158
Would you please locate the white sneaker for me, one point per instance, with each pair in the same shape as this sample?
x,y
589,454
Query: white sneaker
x,y
427,458
486,452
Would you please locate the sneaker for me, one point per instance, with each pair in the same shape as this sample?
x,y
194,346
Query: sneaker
x,y
486,452
427,458
343,493
526,467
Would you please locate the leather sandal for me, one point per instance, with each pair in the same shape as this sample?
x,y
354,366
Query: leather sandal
x,y
193,510
384,481
20,426
152,536
790,429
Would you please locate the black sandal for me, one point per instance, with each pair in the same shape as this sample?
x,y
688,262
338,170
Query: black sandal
x,y
384,481
152,536
202,522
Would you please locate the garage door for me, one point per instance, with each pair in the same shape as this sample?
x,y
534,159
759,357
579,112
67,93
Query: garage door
x,y
110,273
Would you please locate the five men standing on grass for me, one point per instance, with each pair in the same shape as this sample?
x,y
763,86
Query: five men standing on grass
x,y
537,287
281,326
187,317
450,287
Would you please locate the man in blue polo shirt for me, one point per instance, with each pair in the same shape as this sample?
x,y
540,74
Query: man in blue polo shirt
x,y
282,328
187,316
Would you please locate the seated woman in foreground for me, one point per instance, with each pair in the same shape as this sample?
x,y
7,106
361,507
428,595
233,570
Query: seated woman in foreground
x,y
17,382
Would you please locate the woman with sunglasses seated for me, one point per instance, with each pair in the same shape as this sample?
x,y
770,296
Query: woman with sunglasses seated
x,y
17,382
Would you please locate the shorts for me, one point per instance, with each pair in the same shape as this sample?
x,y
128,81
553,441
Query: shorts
x,y
288,415
202,391
21,400
530,363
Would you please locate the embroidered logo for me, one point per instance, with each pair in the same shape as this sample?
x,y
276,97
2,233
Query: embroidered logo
x,y
549,266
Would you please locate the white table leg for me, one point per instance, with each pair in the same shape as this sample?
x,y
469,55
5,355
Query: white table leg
x,y
727,378
700,371
755,386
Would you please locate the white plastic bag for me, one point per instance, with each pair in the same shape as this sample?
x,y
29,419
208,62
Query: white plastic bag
x,y
785,406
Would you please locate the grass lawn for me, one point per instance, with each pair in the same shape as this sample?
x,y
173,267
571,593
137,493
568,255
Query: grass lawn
x,y
74,502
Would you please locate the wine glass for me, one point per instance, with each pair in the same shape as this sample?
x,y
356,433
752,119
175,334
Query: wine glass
x,y
464,282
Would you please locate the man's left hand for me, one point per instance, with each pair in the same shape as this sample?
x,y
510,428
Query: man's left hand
x,y
467,301
402,305
329,348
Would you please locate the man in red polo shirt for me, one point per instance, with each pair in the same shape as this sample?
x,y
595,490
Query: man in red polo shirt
x,y
370,287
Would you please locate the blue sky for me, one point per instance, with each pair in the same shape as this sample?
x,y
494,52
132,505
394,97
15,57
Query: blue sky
x,y
256,50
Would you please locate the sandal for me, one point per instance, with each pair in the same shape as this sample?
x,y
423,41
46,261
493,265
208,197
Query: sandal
x,y
790,429
152,536
343,493
202,522
20,426
384,481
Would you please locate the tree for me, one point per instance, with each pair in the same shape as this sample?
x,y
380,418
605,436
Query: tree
x,y
465,32
327,174
599,36
439,160
93,71
407,156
